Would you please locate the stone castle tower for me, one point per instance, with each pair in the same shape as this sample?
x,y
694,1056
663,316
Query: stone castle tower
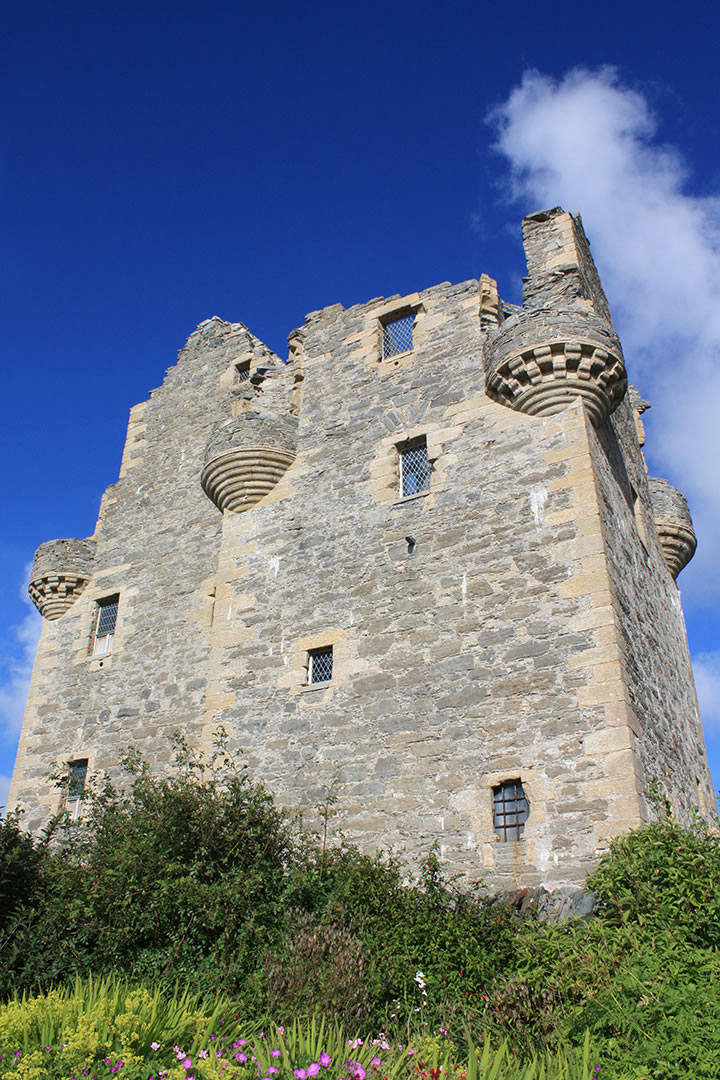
x,y
422,559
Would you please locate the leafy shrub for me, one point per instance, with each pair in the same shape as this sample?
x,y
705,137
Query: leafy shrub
x,y
319,967
663,877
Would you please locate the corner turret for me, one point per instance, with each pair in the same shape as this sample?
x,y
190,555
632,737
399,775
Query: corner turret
x,y
561,344
60,572
673,523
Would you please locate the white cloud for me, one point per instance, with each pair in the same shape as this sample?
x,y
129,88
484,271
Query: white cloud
x,y
706,667
16,679
588,143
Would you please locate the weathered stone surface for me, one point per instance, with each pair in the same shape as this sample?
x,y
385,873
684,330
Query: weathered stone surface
x,y
514,621
60,572
673,523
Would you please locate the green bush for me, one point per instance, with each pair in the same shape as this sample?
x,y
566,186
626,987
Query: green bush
x,y
663,877
197,879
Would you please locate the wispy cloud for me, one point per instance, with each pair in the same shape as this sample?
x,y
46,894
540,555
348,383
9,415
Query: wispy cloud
x,y
16,677
589,143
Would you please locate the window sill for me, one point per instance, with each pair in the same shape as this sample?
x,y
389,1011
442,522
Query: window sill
x,y
396,356
411,498
306,688
100,661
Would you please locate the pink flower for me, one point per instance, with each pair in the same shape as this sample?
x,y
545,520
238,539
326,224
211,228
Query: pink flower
x,y
154,1046
376,1061
239,1057
187,1063
274,1053
314,1069
325,1060
300,1074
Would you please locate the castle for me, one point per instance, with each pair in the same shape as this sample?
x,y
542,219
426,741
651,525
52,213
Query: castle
x,y
421,560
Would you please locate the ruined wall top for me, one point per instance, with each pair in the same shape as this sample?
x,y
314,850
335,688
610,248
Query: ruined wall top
x,y
561,271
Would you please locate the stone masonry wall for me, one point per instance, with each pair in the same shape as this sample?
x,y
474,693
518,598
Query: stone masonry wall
x,y
462,657
658,681
157,541
515,621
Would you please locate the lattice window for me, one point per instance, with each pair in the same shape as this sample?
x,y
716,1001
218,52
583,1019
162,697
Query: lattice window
x,y
105,625
415,468
242,372
510,810
397,335
77,775
320,665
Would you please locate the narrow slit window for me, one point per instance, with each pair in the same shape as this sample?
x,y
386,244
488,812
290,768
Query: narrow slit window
x,y
397,335
77,777
105,625
510,810
415,468
320,665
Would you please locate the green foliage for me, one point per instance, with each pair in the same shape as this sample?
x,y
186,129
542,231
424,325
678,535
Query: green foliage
x,y
93,1025
197,879
20,860
663,877
105,1028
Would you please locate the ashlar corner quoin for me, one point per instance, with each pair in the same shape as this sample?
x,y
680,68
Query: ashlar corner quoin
x,y
422,558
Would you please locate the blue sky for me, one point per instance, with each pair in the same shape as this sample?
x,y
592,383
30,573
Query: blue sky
x,y
163,163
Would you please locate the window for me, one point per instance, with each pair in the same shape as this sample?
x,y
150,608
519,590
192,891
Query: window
x,y
105,625
77,775
510,810
320,665
397,335
242,371
415,468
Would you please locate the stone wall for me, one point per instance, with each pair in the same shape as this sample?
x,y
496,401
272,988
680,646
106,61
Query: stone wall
x,y
508,623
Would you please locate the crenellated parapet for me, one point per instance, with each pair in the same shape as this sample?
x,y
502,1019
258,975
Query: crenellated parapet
x,y
539,360
246,458
673,523
61,570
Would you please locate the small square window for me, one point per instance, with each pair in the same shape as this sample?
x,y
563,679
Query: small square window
x,y
510,810
397,335
415,468
105,625
320,665
242,372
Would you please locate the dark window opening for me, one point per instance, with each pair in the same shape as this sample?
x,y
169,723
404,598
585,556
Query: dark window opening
x,y
510,810
77,775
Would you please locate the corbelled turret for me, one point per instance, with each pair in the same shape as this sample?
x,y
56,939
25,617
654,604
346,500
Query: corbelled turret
x,y
561,344
673,523
247,456
60,572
